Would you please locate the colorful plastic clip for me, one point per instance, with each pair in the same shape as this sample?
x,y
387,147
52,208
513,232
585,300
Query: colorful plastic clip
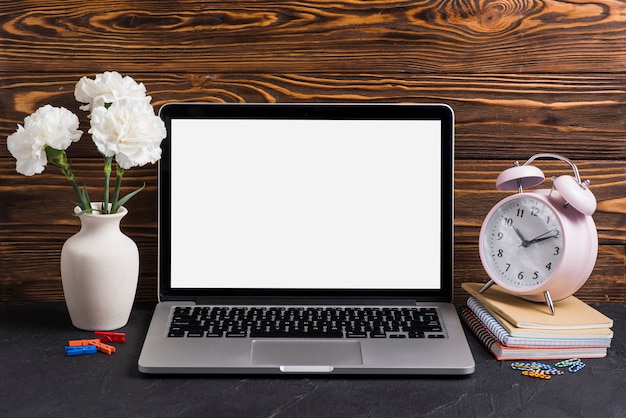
x,y
573,365
539,375
545,371
111,337
531,366
80,350
573,368
537,368
552,372
567,363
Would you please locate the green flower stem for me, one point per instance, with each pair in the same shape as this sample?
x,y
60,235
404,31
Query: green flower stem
x,y
58,158
107,180
118,184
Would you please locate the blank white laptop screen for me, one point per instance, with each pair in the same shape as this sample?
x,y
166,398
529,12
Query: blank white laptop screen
x,y
305,204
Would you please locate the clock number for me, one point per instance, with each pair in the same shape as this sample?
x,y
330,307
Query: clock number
x,y
520,213
534,211
520,275
500,236
508,221
500,253
557,250
508,266
549,266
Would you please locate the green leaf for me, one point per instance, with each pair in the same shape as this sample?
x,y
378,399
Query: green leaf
x,y
84,198
126,198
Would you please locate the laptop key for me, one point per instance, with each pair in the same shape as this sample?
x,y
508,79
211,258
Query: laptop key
x,y
310,333
356,334
177,333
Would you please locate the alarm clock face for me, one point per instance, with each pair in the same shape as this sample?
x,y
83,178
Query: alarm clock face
x,y
521,243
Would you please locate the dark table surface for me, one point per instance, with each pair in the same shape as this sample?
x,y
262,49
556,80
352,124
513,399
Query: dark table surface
x,y
38,379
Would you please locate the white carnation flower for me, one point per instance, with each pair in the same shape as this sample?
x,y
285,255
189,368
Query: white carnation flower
x,y
128,130
54,127
107,88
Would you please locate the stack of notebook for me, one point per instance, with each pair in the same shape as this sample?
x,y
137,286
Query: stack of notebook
x,y
513,328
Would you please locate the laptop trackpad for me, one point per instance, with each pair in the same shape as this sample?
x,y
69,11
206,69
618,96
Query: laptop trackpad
x,y
306,353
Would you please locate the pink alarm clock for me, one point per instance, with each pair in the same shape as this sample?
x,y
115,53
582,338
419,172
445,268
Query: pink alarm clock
x,y
541,245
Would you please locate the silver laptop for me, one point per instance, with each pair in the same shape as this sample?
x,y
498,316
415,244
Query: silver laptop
x,y
306,238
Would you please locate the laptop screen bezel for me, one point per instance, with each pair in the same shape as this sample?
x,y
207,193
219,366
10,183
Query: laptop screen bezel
x,y
440,112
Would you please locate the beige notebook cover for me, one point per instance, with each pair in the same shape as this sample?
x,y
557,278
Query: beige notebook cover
x,y
571,312
573,334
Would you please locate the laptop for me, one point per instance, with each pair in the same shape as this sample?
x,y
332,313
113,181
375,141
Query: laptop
x,y
306,239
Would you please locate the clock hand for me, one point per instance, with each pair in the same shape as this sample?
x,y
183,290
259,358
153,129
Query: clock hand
x,y
536,240
543,236
519,234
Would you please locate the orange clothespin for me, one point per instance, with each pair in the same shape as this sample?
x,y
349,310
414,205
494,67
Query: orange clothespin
x,y
81,343
111,337
104,348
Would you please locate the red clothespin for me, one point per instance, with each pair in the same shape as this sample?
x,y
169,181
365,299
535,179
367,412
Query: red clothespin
x,y
111,337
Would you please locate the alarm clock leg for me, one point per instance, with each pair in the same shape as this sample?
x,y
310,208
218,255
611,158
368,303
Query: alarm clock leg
x,y
546,294
486,286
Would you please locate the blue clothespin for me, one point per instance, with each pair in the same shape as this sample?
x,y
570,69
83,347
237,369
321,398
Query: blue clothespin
x,y
80,350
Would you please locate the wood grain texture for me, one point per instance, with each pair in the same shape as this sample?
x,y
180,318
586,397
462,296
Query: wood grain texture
x,y
523,77
510,115
503,36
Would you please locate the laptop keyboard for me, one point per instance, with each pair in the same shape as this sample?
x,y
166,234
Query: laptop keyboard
x,y
305,322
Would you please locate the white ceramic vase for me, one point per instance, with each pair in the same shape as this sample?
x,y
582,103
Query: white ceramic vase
x,y
99,271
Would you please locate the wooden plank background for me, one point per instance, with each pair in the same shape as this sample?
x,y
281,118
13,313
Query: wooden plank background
x,y
523,77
